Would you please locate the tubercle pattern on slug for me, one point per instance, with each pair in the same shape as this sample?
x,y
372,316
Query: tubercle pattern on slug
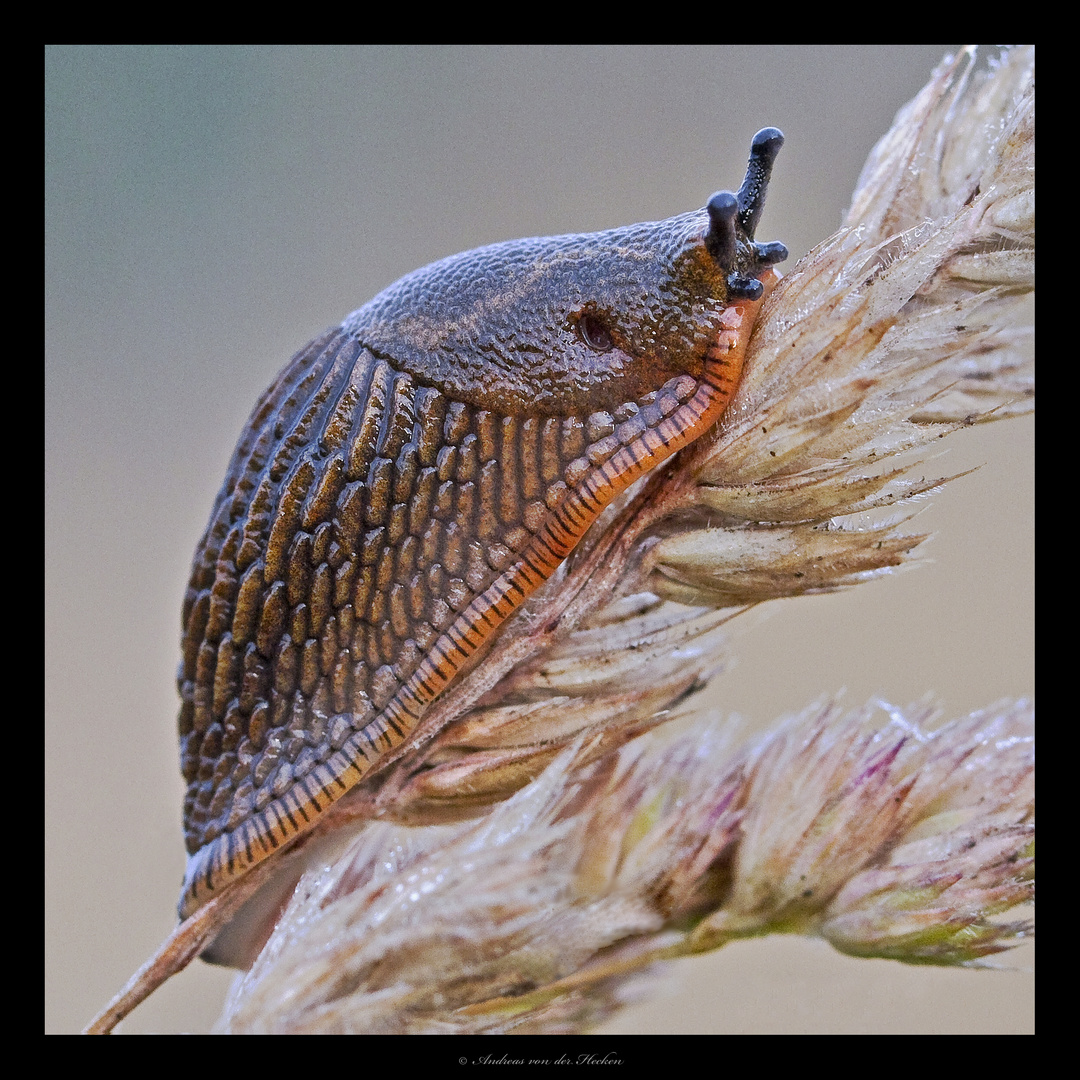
x,y
293,656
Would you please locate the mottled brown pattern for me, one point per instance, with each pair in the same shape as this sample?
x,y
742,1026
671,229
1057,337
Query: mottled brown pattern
x,y
381,510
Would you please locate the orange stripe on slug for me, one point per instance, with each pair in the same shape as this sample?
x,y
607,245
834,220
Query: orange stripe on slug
x,y
483,616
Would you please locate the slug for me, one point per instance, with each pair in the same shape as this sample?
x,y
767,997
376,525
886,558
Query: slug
x,y
414,474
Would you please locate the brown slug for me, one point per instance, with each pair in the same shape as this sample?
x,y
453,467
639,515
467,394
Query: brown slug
x,y
414,474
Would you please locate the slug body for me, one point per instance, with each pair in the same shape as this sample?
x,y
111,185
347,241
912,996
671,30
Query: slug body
x,y
418,471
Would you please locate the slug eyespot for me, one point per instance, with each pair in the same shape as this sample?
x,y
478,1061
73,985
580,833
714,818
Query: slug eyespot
x,y
594,332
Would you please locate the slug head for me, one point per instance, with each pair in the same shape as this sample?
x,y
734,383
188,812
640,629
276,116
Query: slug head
x,y
570,324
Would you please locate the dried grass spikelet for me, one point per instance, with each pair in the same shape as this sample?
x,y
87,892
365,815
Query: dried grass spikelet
x,y
882,839
538,846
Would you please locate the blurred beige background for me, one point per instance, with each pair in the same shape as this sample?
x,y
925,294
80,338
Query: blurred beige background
x,y
209,210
